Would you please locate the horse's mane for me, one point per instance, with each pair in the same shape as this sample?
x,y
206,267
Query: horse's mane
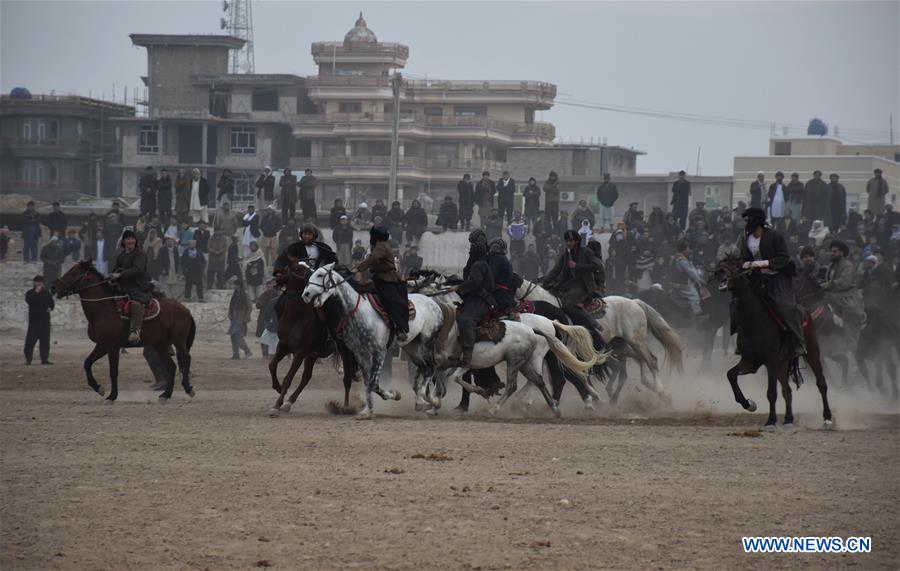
x,y
90,268
347,274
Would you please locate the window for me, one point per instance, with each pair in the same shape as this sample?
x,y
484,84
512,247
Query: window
x,y
712,196
782,148
26,129
148,139
350,107
41,129
434,111
470,111
243,140
37,171
265,100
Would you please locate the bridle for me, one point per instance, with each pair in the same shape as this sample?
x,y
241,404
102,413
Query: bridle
x,y
343,323
72,289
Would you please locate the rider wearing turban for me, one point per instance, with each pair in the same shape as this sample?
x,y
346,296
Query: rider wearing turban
x,y
765,250
476,292
130,273
391,288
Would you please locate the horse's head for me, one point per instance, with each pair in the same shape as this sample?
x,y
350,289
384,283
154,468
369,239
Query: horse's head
x,y
729,272
321,285
295,275
79,277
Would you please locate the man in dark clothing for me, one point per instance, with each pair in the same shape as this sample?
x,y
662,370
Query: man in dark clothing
x,y
758,188
338,210
31,233
466,200
72,246
391,288
113,224
506,194
395,220
532,198
52,256
270,226
572,279
40,304
681,196
484,196
476,292
164,195
448,216
57,223
147,192
411,262
551,202
838,203
193,265
794,196
502,270
309,250
815,192
765,250
265,187
288,184
308,196
201,236
607,195
130,273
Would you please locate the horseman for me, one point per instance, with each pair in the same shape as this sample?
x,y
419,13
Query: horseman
x,y
390,286
840,288
504,278
130,273
765,250
309,250
572,280
476,292
685,278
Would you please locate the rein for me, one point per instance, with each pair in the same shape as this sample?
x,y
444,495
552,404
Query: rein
x,y
532,286
346,318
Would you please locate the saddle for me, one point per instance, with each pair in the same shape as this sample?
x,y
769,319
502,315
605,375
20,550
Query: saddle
x,y
492,330
376,303
124,307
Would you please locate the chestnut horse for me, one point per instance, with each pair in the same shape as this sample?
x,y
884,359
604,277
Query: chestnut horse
x,y
301,334
173,327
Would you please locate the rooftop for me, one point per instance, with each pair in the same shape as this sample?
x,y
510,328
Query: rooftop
x,y
210,40
250,79
562,146
63,100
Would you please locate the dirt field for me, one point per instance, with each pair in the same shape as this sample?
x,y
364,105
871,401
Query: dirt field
x,y
217,484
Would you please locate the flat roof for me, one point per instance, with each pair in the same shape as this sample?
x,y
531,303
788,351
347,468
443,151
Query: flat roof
x,y
251,78
211,40
564,146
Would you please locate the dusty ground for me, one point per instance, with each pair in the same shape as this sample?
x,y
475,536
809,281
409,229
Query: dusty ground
x,y
216,484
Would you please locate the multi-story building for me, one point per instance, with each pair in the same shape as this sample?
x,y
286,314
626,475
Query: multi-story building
x,y
338,123
854,163
55,147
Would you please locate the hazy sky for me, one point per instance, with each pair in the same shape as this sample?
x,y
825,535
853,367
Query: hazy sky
x,y
781,62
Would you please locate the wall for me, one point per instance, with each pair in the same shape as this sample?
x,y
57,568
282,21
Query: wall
x,y
169,72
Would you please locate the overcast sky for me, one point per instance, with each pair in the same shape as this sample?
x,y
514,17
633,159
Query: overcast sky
x,y
774,62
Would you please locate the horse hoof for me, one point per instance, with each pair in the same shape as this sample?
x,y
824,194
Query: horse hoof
x,y
829,424
768,428
557,412
432,412
100,391
274,412
788,426
364,415
286,407
461,411
420,406
436,402
395,395
751,406
494,410
109,402
162,400
191,393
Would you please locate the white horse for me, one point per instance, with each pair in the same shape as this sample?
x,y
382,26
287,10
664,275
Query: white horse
x,y
631,321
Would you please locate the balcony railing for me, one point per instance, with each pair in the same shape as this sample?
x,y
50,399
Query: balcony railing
x,y
55,143
546,130
539,88
381,161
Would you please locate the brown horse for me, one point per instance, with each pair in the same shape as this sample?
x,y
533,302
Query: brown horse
x,y
301,334
173,327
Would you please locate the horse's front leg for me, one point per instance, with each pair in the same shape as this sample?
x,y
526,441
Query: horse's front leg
x,y
377,364
96,354
281,352
288,378
113,357
772,395
746,403
308,365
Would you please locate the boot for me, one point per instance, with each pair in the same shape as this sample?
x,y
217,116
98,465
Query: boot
x,y
466,359
137,319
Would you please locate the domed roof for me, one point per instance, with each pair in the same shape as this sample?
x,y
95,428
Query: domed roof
x,y
817,127
360,33
20,93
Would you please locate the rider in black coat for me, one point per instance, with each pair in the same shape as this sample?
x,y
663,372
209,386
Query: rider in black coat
x,y
476,292
130,273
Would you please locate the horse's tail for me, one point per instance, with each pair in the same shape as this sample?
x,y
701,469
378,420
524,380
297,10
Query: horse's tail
x,y
192,332
578,340
565,357
665,335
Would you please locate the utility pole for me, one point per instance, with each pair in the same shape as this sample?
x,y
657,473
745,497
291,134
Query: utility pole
x,y
395,137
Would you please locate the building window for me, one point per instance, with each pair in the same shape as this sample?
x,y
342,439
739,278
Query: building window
x,y
350,107
26,130
148,139
243,140
712,196
782,148
434,111
244,190
470,111
265,100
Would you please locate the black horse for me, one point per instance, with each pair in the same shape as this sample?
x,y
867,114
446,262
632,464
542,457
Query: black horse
x,y
762,341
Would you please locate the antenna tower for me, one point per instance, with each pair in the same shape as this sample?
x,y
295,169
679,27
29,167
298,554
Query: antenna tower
x,y
238,21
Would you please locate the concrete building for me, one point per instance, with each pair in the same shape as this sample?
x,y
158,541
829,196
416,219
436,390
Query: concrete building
x,y
55,147
854,163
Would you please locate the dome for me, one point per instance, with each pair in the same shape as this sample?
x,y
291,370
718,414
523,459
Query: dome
x,y
20,93
817,127
360,34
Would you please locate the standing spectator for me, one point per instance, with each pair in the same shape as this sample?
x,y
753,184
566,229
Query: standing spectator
x,y
226,187
218,254
164,195
379,210
288,198
530,266
4,243
563,221
88,235
227,222
698,214
532,196
199,197
815,192
72,246
239,312
877,189
517,230
411,262
254,269
416,222
184,236
607,195
838,203
308,196
466,198
540,232
551,203
484,196
338,210
583,212
288,235
57,222
52,256
233,260
250,221
201,236
193,267
631,216
40,304
362,218
681,196
99,254
31,233
168,266
776,202
153,249
448,217
182,195
270,226
343,240
656,223
794,196
757,188
172,229
265,187
113,226
493,227
395,221
506,195
147,192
